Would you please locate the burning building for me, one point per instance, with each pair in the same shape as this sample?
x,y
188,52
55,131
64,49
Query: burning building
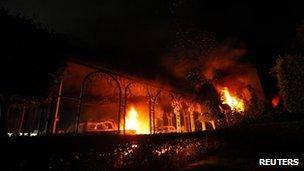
x,y
92,99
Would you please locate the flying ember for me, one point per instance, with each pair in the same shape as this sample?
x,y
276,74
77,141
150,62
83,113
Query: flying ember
x,y
234,102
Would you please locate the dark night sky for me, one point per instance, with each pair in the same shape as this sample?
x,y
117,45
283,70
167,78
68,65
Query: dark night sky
x,y
266,29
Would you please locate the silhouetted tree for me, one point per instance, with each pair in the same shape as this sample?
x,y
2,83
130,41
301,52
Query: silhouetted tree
x,y
30,57
289,72
255,106
207,95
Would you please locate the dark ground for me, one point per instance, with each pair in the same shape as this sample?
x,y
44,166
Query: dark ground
x,y
233,149
244,147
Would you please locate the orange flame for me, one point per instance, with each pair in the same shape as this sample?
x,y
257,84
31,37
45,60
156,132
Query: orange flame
x,y
133,123
275,101
131,119
235,103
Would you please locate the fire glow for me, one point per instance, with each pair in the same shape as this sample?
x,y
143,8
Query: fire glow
x,y
134,123
235,103
275,101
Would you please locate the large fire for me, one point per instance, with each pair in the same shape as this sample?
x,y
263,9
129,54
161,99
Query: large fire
x,y
134,123
235,103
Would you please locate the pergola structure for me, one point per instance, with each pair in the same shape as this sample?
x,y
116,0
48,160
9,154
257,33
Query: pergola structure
x,y
88,94
91,98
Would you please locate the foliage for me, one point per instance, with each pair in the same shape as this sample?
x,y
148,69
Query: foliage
x,y
298,43
108,152
289,72
255,107
210,101
30,55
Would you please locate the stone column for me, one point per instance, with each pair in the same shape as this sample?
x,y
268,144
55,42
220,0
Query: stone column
x,y
192,122
203,126
213,124
176,104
